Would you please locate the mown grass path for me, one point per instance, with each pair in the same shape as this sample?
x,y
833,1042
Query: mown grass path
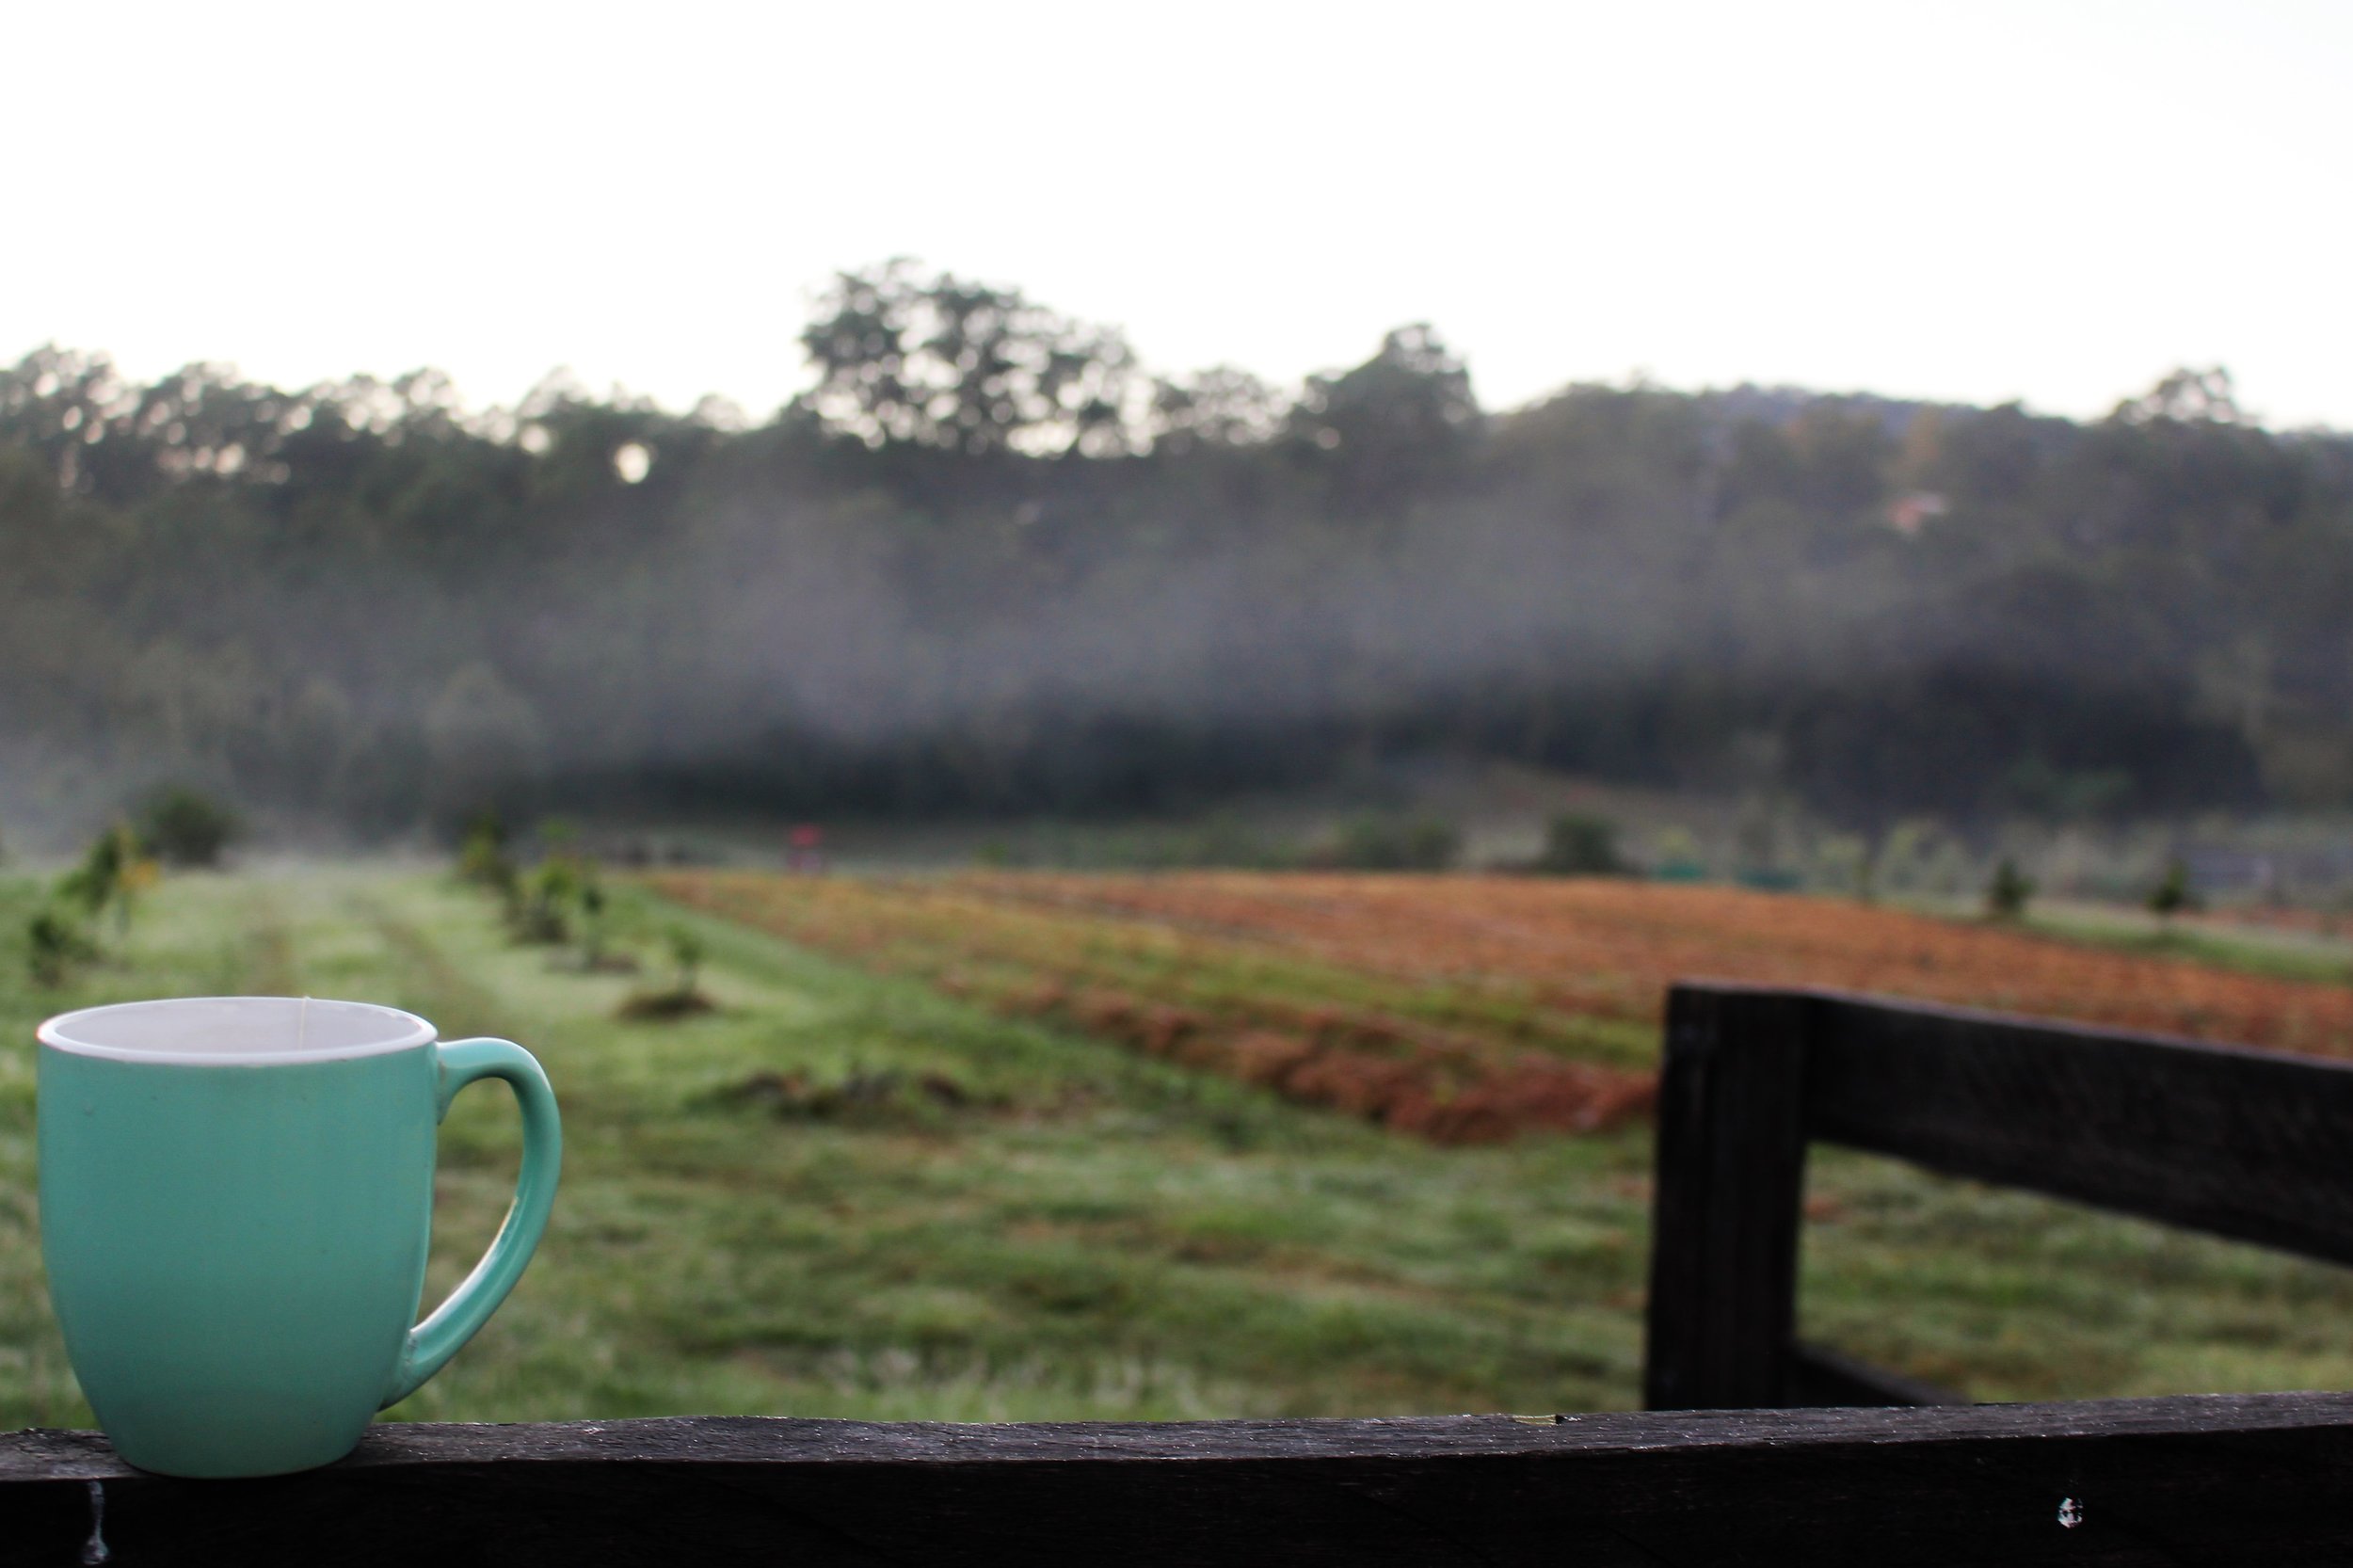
x,y
1067,1229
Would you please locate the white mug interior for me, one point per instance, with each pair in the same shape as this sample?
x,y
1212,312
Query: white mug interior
x,y
211,1031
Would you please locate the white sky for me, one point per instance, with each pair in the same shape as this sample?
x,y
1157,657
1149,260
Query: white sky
x,y
1970,201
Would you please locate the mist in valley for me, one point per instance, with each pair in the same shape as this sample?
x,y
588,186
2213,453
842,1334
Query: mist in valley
x,y
993,566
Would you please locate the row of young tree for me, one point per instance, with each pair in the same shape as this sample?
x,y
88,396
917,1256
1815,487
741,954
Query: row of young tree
x,y
989,563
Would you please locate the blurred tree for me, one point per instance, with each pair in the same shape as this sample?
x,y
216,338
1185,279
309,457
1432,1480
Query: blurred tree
x,y
1221,407
2061,795
2007,895
2174,894
205,577
545,913
1677,857
1396,427
1576,844
935,361
1844,861
53,944
114,871
2186,395
1373,841
483,860
183,826
592,908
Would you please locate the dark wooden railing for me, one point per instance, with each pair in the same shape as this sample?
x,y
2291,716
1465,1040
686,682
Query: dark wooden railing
x,y
2216,1479
2248,1144
2237,1143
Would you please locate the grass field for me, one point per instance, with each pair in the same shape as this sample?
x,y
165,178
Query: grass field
x,y
847,1192
2286,944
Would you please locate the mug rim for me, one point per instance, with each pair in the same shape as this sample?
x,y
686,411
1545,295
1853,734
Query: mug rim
x,y
57,1034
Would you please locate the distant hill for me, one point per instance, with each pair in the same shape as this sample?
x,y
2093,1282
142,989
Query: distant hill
x,y
1083,588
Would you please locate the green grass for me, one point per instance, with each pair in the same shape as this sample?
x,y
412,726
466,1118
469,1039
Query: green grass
x,y
1084,1233
2276,954
2273,953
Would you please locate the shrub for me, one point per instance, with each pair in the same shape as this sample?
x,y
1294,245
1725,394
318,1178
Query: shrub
x,y
683,998
592,906
2007,895
482,853
114,871
187,827
2173,893
1374,843
53,945
1677,858
544,915
1580,845
686,952
483,860
1845,862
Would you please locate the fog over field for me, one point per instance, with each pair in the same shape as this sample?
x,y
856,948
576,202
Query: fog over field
x,y
992,564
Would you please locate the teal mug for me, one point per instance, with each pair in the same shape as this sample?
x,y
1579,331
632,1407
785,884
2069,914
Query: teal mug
x,y
236,1194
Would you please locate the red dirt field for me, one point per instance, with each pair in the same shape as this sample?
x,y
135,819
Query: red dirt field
x,y
1613,947
1450,1006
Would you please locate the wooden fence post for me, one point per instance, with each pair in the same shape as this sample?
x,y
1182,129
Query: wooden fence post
x,y
1722,1310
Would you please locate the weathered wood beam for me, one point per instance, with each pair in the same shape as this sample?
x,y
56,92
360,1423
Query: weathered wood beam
x,y
2208,1478
2244,1143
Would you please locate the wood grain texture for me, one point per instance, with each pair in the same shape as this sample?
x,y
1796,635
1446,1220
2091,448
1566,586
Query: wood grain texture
x,y
1731,1170
2260,1479
2249,1144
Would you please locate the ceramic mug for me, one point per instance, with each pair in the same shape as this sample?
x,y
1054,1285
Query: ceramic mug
x,y
236,1197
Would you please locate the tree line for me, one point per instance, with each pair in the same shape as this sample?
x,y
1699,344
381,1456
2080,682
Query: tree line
x,y
990,562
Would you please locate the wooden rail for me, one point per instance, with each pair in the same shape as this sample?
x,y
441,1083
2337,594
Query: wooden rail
x,y
2211,1478
2248,1144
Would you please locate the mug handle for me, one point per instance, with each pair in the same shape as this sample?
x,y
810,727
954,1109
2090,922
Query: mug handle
x,y
432,1342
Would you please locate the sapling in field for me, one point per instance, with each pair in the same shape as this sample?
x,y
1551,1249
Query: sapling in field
x,y
1374,841
483,860
544,915
483,847
1676,857
114,871
594,905
2174,894
686,951
53,944
2007,895
1576,844
592,902
684,994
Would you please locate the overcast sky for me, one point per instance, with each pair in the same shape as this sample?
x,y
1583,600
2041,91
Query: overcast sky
x,y
1972,201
